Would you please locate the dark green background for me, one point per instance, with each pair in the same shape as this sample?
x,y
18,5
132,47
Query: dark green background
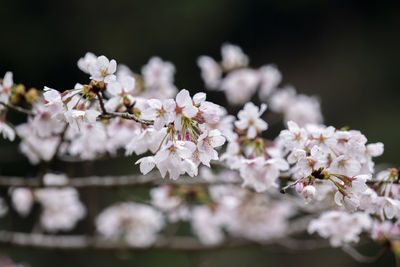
x,y
346,52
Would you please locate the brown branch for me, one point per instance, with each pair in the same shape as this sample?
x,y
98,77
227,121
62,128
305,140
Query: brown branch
x,y
19,109
100,97
125,115
283,189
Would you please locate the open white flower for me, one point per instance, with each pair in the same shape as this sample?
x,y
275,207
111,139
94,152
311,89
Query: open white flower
x,y
34,147
249,118
118,90
76,118
207,225
350,201
43,123
206,143
103,69
174,158
6,131
172,205
85,62
211,71
262,174
5,88
294,136
142,141
62,208
240,85
158,73
388,207
345,165
184,107
340,227
159,111
233,57
22,200
270,78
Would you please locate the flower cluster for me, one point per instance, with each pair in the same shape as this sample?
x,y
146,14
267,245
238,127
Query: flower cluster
x,y
340,227
62,208
185,132
249,153
224,208
324,154
119,112
138,224
240,82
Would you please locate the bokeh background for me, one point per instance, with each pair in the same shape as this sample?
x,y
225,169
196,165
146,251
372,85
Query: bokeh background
x,y
346,52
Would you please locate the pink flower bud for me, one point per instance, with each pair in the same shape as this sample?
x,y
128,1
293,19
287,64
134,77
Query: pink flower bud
x,y
299,187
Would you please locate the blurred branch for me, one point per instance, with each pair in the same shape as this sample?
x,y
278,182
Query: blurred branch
x,y
179,243
362,258
79,242
107,181
299,245
19,109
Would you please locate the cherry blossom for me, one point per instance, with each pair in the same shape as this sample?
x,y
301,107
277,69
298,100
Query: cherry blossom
x,y
103,69
340,227
141,115
119,90
86,62
207,141
240,85
249,119
270,79
160,111
233,57
261,174
211,71
5,88
184,107
6,131
138,224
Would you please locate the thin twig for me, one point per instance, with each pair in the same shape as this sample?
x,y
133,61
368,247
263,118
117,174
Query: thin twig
x,y
283,189
19,109
100,97
125,115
